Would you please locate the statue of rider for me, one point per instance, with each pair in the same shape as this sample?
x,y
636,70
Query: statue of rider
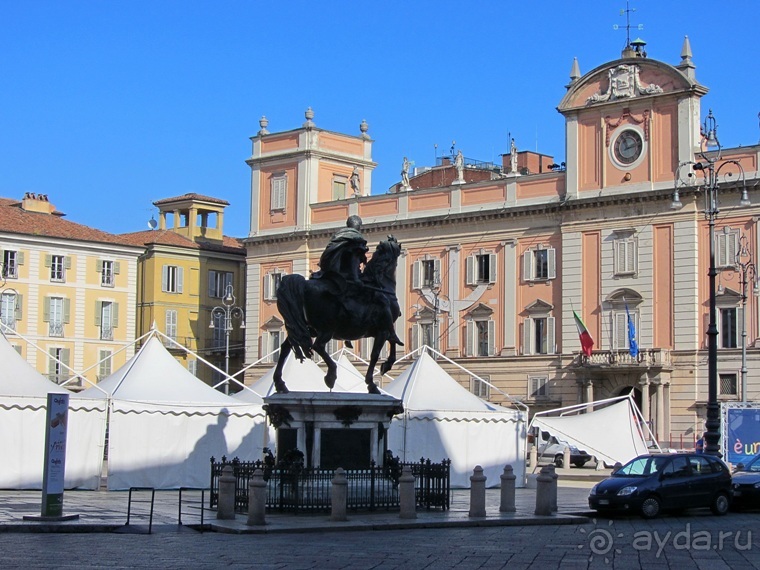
x,y
344,254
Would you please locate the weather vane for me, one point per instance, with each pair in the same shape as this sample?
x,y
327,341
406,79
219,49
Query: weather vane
x,y
627,13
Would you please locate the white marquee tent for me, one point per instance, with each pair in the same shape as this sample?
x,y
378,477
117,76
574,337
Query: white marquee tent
x,y
23,405
442,419
165,423
622,438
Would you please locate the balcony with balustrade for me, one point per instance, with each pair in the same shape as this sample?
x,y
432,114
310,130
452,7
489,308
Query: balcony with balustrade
x,y
623,360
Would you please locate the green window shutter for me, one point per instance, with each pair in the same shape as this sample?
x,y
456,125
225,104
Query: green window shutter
x,y
19,305
65,353
67,262
46,309
164,278
51,362
116,267
66,310
180,278
99,265
98,312
211,283
19,258
48,260
115,315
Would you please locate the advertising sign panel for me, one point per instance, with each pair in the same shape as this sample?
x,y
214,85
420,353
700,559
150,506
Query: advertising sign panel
x,y
55,455
741,439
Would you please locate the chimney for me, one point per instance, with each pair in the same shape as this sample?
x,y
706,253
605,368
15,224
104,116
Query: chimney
x,y
37,203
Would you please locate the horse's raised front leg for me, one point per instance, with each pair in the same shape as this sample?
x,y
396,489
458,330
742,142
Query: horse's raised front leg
x,y
332,368
279,384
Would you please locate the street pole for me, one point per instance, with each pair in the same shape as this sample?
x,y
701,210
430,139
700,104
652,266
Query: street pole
x,y
748,270
228,310
711,166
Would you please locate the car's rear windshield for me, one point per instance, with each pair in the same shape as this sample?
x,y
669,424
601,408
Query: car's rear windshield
x,y
642,466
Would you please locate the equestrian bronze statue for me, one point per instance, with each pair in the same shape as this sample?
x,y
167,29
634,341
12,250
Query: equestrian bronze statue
x,y
340,301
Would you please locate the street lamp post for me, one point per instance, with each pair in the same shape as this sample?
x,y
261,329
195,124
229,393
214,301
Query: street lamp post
x,y
229,311
748,271
711,167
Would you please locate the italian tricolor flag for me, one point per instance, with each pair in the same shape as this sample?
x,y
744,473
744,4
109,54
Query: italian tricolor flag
x,y
587,343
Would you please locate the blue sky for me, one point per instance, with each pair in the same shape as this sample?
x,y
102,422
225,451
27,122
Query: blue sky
x,y
107,106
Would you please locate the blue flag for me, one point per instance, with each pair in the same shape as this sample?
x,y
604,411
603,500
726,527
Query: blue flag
x,y
633,347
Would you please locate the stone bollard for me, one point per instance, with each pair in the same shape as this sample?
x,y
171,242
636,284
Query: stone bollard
x,y
533,457
225,508
507,490
555,477
406,494
543,492
257,499
477,492
339,495
566,458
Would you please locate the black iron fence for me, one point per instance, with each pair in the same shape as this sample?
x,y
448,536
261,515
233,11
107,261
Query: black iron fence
x,y
298,489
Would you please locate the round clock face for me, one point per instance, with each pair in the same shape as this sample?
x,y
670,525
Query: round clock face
x,y
628,147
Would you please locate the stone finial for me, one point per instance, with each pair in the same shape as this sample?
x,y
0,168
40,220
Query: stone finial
x,y
686,50
309,114
575,71
687,66
364,127
263,123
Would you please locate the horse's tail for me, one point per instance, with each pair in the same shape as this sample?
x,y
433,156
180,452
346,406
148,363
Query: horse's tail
x,y
290,302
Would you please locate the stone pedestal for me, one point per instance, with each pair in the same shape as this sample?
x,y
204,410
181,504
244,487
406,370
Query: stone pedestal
x,y
332,429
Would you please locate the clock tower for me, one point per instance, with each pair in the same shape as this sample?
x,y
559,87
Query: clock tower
x,y
630,122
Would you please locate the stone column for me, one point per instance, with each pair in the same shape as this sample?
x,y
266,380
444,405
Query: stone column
x,y
477,492
645,398
660,427
406,494
225,508
257,499
533,457
589,385
507,490
339,495
543,492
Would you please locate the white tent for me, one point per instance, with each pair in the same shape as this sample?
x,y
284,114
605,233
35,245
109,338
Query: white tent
x,y
443,420
23,405
165,424
307,376
611,433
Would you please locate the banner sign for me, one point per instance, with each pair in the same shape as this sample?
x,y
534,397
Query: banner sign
x,y
55,455
742,434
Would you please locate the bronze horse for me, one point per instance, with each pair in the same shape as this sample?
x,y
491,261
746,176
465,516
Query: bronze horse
x,y
317,309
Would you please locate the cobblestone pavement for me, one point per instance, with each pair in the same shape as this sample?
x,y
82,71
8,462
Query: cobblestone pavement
x,y
669,543
695,539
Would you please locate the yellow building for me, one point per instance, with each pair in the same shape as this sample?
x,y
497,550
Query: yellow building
x,y
68,288
185,271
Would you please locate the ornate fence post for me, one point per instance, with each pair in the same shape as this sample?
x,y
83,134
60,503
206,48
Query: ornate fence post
x,y
507,490
406,494
477,492
257,499
339,495
225,509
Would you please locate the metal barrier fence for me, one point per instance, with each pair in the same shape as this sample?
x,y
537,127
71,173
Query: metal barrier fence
x,y
297,489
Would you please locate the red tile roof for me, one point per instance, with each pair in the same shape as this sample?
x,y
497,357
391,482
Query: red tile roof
x,y
14,219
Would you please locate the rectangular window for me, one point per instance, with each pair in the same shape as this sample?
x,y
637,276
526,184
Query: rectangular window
x,y
728,333
428,335
10,310
726,247
106,320
271,284
11,261
56,316
620,339
426,273
538,335
481,387
274,344
538,387
171,324
339,187
483,339
218,281
481,268
279,185
540,264
480,337
58,362
58,268
429,277
219,330
104,368
728,384
108,271
192,367
541,336
625,256
171,279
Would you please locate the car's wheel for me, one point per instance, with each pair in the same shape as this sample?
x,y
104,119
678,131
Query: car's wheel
x,y
651,507
559,461
720,504
579,463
